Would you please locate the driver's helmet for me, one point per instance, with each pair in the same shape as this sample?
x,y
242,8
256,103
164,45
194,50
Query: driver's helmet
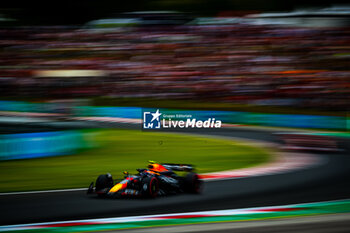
x,y
153,166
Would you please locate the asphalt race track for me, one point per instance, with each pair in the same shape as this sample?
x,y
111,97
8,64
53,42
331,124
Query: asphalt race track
x,y
329,181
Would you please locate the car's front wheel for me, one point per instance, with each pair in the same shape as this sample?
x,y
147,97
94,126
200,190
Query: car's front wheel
x,y
103,182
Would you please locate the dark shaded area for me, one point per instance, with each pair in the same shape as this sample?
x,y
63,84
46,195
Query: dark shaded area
x,y
77,12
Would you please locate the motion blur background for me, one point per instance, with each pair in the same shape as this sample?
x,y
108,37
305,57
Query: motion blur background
x,y
275,63
236,54
271,63
70,69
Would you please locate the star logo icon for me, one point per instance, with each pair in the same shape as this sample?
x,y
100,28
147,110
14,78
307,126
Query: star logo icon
x,y
151,120
156,115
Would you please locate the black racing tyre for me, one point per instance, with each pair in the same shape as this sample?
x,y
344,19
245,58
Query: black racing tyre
x,y
192,183
91,188
150,187
104,181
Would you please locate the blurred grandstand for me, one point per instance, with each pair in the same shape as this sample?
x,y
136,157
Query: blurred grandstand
x,y
229,60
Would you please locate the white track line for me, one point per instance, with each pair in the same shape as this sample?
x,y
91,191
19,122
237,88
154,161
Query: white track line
x,y
43,191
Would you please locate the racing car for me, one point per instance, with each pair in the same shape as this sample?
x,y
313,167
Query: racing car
x,y
155,180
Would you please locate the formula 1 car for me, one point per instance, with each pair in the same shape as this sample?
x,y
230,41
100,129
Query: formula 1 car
x,y
157,180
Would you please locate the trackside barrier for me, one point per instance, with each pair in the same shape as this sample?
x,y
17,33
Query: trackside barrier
x,y
22,106
232,117
122,112
44,144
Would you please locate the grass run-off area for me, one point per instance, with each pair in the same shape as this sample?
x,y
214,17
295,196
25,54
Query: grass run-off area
x,y
121,150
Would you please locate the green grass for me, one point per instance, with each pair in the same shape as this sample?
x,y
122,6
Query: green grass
x,y
121,150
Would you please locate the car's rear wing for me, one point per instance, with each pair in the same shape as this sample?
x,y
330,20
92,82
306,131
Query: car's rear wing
x,y
178,167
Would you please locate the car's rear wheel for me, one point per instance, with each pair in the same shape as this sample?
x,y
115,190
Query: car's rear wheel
x,y
193,184
150,187
103,182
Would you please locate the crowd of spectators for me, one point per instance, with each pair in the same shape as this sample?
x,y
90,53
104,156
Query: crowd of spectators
x,y
236,63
